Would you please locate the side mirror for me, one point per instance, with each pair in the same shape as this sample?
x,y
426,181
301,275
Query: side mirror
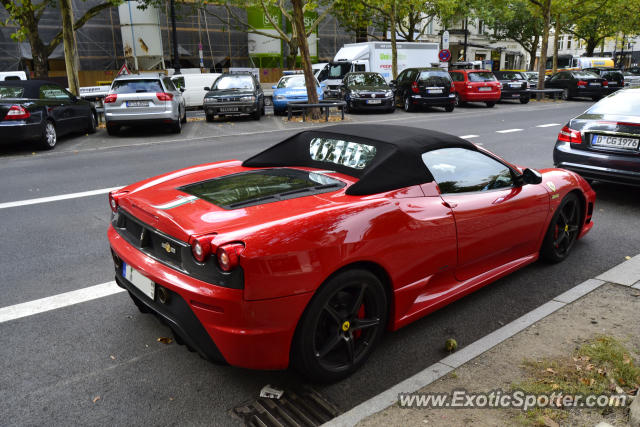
x,y
273,87
531,176
74,98
207,88
393,82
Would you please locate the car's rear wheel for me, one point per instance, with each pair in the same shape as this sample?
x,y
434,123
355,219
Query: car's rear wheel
x,y
490,104
93,122
524,100
566,95
184,117
449,108
340,328
49,136
177,125
563,230
408,106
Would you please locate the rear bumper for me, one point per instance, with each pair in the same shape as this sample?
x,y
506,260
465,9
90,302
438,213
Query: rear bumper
x,y
591,92
117,117
479,96
609,167
216,321
444,101
515,94
240,109
361,103
19,130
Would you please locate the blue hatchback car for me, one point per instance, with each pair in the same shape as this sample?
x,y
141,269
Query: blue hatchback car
x,y
291,87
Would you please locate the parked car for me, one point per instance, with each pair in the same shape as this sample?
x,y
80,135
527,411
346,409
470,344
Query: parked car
x,y
532,78
578,83
630,79
367,91
233,94
613,76
304,254
418,87
136,99
194,87
291,87
41,111
476,86
603,143
514,86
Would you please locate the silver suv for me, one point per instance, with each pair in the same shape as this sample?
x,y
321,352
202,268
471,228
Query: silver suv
x,y
144,98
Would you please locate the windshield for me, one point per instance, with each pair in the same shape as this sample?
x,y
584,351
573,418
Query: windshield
x,y
261,186
293,81
612,75
233,82
136,86
337,71
626,103
482,77
512,75
11,92
366,80
531,76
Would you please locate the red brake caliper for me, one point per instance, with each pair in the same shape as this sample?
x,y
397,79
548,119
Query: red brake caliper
x,y
360,315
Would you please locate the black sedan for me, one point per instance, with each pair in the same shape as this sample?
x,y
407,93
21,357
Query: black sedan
x,y
603,142
514,86
38,110
418,87
613,76
578,84
367,91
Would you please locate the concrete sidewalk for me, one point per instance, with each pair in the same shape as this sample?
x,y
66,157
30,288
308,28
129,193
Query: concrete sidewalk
x,y
608,305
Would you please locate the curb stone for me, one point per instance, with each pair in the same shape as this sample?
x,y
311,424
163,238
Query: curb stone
x,y
634,411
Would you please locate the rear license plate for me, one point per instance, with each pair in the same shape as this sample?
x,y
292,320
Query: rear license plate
x,y
621,142
594,84
516,95
137,103
228,109
374,101
434,91
143,284
613,83
484,89
515,84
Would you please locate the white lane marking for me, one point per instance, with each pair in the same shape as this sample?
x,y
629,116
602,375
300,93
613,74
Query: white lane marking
x,y
30,308
548,125
508,130
468,136
56,198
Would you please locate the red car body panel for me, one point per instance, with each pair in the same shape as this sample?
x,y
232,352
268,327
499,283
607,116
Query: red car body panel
x,y
430,250
469,91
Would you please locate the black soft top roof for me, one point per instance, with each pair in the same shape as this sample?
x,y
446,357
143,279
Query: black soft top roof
x,y
31,87
397,163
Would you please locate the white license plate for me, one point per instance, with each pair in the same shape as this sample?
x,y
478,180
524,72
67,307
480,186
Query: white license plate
x,y
228,109
374,101
515,84
137,103
516,95
613,83
485,89
145,285
594,84
434,90
622,142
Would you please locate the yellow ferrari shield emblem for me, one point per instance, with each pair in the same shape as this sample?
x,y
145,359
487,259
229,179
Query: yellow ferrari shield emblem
x,y
346,325
551,186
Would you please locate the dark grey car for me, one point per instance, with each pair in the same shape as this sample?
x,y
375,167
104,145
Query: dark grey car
x,y
234,94
603,143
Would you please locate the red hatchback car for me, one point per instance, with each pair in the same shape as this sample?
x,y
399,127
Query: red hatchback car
x,y
476,86
305,253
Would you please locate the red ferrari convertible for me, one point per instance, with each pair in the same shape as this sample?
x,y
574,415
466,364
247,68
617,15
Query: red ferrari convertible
x,y
306,252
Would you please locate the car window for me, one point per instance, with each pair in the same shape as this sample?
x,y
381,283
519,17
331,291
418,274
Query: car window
x,y
459,170
346,153
481,77
511,75
623,102
435,77
136,86
233,82
612,75
584,74
178,82
456,77
169,84
366,80
297,80
53,92
11,92
337,71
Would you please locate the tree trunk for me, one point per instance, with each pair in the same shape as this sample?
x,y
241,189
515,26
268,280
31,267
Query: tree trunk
x,y
310,81
293,53
591,46
39,52
542,66
556,35
70,52
533,51
394,49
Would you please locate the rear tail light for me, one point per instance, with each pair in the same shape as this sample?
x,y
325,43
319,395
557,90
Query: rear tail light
x,y
201,247
414,87
582,83
17,112
499,85
110,98
570,135
228,255
605,83
163,96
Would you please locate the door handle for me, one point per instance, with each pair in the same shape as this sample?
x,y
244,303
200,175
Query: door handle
x,y
450,205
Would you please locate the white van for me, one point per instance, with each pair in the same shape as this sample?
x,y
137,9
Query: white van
x,y
194,85
12,75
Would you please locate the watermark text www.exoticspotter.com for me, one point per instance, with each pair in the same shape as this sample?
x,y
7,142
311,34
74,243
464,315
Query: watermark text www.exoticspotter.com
x,y
517,399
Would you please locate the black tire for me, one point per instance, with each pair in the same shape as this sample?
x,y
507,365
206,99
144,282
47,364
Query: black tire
x,y
566,94
49,137
256,114
184,118
325,347
210,117
262,111
490,104
525,100
176,127
407,105
449,108
563,230
93,122
112,130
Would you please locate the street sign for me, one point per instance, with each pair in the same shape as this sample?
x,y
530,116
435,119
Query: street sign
x,y
444,55
445,40
124,71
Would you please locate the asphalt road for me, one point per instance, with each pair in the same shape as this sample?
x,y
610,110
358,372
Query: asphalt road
x,y
99,362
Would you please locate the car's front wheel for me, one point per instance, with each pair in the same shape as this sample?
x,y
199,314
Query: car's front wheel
x,y
524,100
93,122
340,328
408,106
490,104
563,230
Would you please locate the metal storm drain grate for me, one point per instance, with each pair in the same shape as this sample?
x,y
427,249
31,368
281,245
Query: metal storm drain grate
x,y
306,408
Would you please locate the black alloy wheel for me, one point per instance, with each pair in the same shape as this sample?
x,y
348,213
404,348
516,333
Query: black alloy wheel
x,y
563,230
341,326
